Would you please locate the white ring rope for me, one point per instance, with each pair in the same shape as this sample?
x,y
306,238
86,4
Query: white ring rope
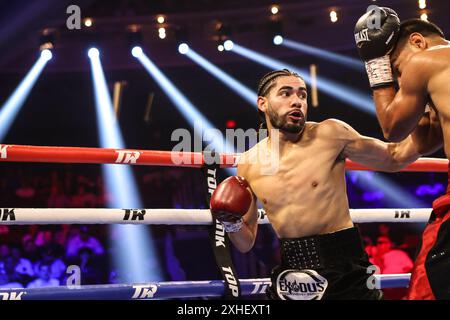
x,y
16,216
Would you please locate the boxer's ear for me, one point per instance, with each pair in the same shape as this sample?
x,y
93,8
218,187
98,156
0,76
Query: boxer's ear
x,y
262,103
418,41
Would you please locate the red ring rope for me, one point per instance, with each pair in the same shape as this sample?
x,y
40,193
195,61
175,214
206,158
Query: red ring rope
x,y
19,153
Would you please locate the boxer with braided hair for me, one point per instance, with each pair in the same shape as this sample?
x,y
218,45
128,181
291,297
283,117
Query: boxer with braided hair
x,y
305,199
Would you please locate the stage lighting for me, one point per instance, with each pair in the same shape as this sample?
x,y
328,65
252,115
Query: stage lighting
x,y
136,51
277,40
135,247
228,45
47,39
333,16
160,19
349,62
274,9
223,29
181,39
193,116
356,98
222,34
276,31
183,48
10,109
424,16
93,53
220,40
422,4
162,33
46,54
243,91
134,35
230,124
88,22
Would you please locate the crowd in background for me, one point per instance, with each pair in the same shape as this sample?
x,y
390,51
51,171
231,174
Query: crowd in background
x,y
38,255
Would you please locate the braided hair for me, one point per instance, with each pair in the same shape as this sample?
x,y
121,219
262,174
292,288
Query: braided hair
x,y
266,83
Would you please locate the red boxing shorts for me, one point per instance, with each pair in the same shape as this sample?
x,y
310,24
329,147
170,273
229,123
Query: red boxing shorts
x,y
430,279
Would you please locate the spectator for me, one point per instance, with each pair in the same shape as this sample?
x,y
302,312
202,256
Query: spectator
x,y
57,266
4,279
23,266
43,237
83,240
30,251
4,251
390,261
60,237
44,278
370,249
10,269
92,267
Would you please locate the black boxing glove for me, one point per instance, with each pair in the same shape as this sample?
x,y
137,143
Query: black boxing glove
x,y
376,34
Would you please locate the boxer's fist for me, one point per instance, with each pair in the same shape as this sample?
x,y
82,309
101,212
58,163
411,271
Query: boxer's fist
x,y
230,202
376,34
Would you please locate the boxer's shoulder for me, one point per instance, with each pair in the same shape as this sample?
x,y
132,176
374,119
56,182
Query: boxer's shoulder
x,y
428,60
333,128
250,158
437,57
422,66
440,48
245,156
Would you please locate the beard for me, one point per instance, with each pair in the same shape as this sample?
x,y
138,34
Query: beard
x,y
282,123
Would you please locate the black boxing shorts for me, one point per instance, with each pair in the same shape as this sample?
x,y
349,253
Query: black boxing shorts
x,y
329,267
430,278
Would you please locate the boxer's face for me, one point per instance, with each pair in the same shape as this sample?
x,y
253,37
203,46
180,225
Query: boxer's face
x,y
405,50
286,104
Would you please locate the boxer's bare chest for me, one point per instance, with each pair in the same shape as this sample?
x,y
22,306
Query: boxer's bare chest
x,y
303,173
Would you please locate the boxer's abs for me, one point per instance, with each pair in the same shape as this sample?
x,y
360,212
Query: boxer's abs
x,y
305,204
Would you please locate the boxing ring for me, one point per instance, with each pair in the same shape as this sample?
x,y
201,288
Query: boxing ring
x,y
173,289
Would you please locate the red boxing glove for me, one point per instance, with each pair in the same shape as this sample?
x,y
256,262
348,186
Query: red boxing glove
x,y
230,202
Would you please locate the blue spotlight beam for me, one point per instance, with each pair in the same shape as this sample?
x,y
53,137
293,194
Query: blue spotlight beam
x,y
110,136
184,106
341,92
352,63
135,255
12,106
243,91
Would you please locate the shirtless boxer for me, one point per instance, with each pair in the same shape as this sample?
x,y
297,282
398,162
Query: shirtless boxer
x,y
417,54
305,200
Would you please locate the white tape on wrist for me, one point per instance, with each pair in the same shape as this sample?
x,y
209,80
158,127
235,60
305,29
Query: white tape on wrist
x,y
379,71
232,227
